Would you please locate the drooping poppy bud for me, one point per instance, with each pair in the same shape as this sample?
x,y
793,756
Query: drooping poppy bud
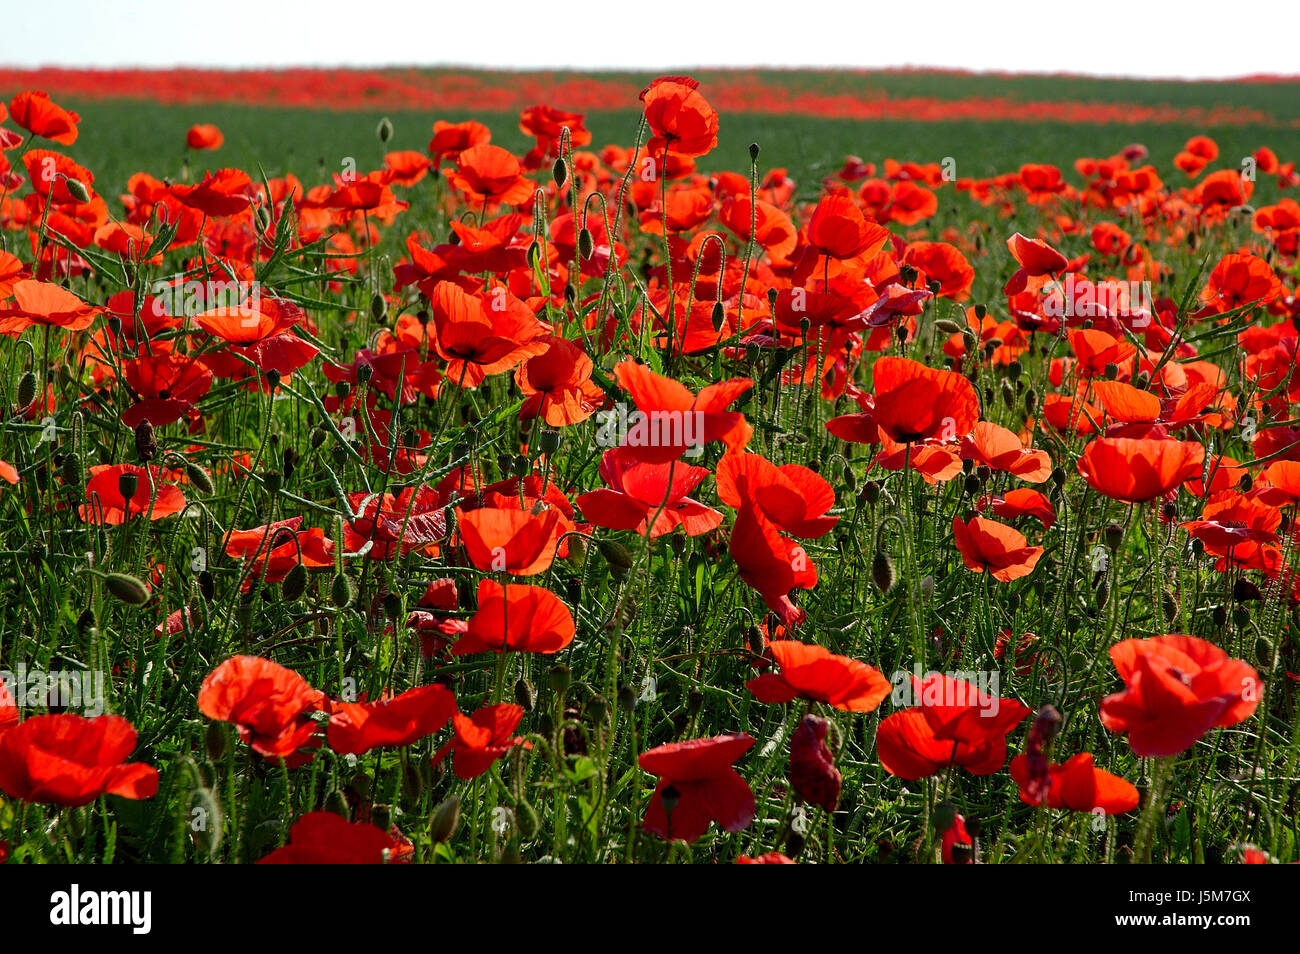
x,y
812,770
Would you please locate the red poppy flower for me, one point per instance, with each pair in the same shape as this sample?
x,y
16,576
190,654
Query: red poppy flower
x,y
1238,280
1136,471
1036,259
324,838
1022,502
516,618
477,339
771,858
791,496
638,490
451,139
220,194
489,175
697,786
1177,688
72,760
106,504
269,705
680,118
168,386
272,550
839,230
944,263
204,136
510,541
1078,786
995,547
769,562
482,738
41,116
358,727
674,419
957,847
41,303
557,384
814,672
1000,449
914,402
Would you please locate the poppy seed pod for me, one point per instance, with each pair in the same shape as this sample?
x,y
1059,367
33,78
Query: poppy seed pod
x,y
753,152
272,482
378,306
615,554
627,699
392,604
1114,536
549,441
127,485
560,678
597,707
273,379
384,130
71,470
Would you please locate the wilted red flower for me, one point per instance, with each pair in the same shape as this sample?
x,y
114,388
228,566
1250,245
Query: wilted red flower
x,y
814,672
1078,786
323,838
358,727
71,760
1177,688
812,771
269,705
482,738
516,618
697,786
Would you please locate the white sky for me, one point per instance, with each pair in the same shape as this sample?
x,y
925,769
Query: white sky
x,y
1155,38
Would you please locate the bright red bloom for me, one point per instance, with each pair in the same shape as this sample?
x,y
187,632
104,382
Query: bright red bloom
x,y
791,496
204,136
42,303
323,838
41,116
510,541
639,489
674,419
220,194
995,547
557,384
270,705
71,760
1078,786
357,727
914,402
1177,688
1139,470
488,175
680,118
272,550
482,738
1036,259
105,503
814,672
516,618
700,786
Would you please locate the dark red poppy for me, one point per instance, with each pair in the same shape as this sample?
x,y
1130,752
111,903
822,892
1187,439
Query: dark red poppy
x,y
324,838
71,760
358,727
482,738
812,771
269,705
698,785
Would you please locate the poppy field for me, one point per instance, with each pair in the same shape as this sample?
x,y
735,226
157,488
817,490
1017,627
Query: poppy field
x,y
523,486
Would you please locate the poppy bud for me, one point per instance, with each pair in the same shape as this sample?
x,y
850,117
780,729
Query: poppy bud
x,y
882,571
272,481
934,285
694,700
199,477
1264,653
294,583
560,677
71,471
378,307
945,813
1114,536
812,770
127,485
981,311
446,818
207,585
870,493
262,216
598,707
342,591
908,274
215,741
413,780
927,586
1170,604
559,172
337,803
1241,617
534,254
678,543
127,588
772,294
753,152
86,621
717,316
524,694
146,442
318,437
273,378
384,130
615,554
586,245
1103,594
755,640
392,605
1031,401
947,327
526,820
627,699
206,821
971,485
77,189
